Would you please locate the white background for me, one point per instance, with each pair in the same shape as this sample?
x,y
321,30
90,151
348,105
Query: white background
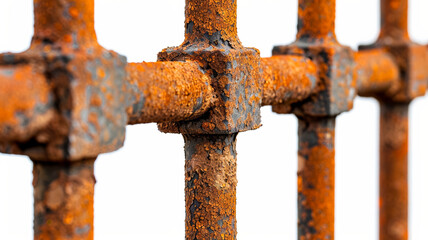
x,y
140,188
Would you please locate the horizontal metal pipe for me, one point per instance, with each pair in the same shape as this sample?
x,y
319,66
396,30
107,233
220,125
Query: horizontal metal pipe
x,y
287,79
168,91
376,73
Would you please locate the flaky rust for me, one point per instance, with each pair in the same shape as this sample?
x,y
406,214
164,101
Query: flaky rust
x,y
393,197
211,41
377,73
316,169
63,200
316,21
210,173
287,79
207,18
168,91
394,22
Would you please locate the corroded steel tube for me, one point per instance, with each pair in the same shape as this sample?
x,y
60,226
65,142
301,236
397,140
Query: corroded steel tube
x,y
394,21
393,197
63,200
210,174
316,178
316,20
215,18
60,21
376,73
287,79
168,91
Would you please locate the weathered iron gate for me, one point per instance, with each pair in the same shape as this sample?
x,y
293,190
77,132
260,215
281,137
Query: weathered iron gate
x,y
66,100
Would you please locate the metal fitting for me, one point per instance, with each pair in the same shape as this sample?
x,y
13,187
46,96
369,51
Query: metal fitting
x,y
316,40
76,96
211,40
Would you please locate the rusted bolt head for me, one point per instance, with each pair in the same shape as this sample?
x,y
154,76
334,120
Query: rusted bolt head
x,y
236,79
336,90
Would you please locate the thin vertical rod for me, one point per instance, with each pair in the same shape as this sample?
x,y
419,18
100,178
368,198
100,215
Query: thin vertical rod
x,y
63,200
394,21
316,20
316,168
393,196
210,173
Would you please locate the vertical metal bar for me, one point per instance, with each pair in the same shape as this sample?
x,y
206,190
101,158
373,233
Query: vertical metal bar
x,y
393,184
316,20
394,19
63,200
210,172
393,196
64,22
316,178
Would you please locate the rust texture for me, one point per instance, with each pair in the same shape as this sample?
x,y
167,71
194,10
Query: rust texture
x,y
334,93
63,200
394,22
84,82
287,79
168,91
376,73
409,56
235,75
211,40
210,172
24,95
411,59
393,196
316,40
316,21
316,178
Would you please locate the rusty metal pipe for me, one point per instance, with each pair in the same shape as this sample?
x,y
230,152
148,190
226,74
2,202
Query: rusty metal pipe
x,y
316,20
393,196
316,169
287,79
376,72
168,91
394,21
64,22
64,200
210,173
